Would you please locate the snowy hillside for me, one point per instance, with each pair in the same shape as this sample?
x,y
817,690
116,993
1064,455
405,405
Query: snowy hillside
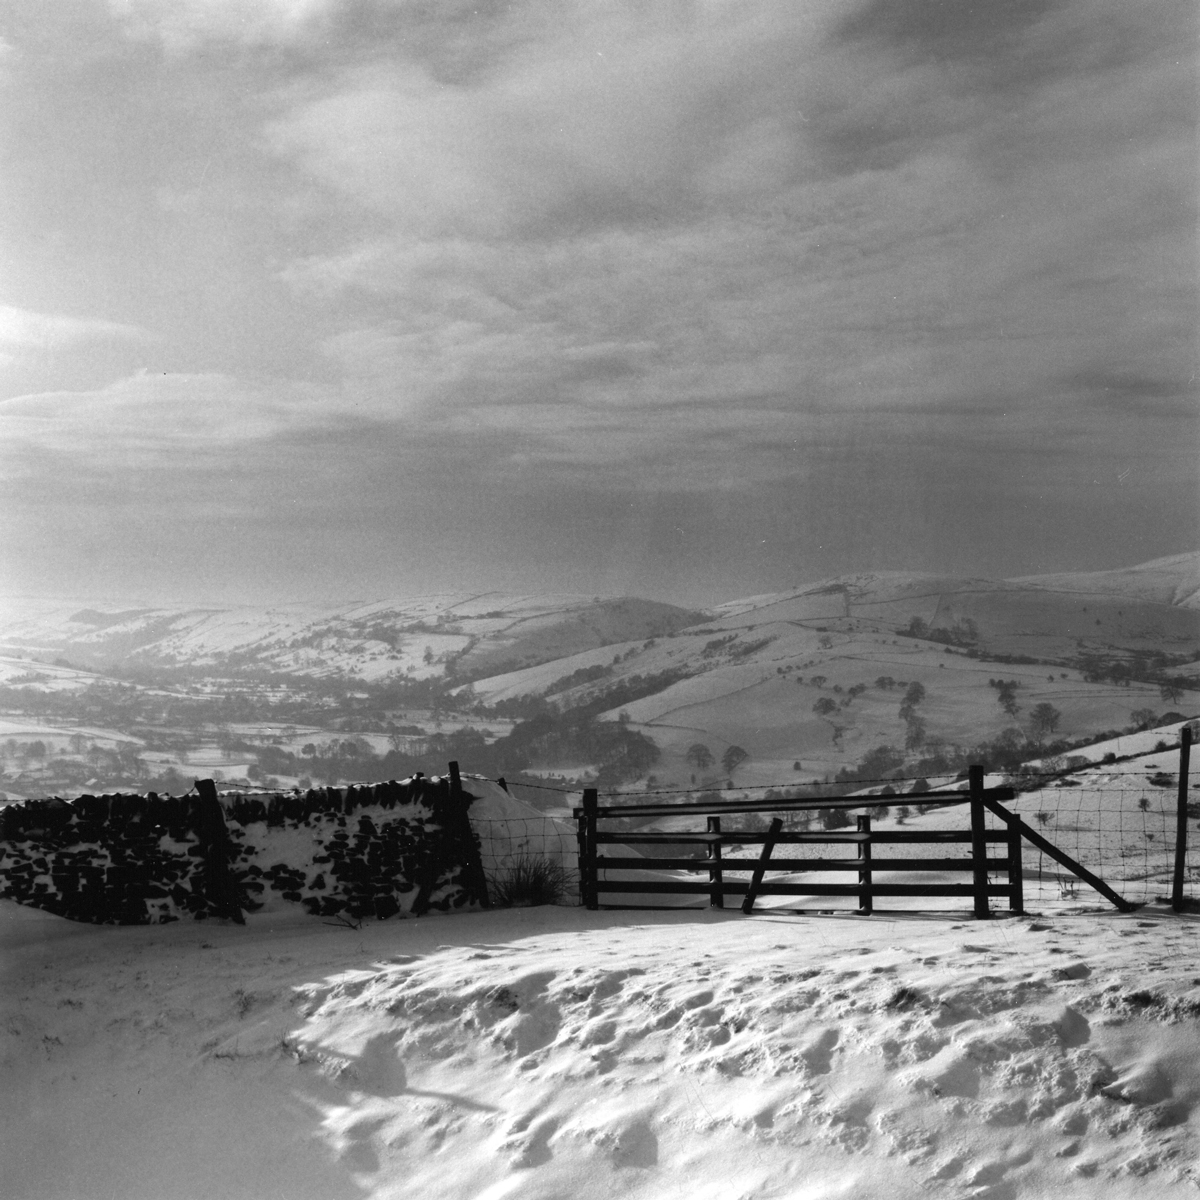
x,y
415,637
818,675
769,690
1172,580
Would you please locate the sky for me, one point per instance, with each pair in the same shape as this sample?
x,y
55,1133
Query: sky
x,y
333,299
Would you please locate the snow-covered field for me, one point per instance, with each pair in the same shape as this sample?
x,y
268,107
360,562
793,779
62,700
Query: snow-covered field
x,y
555,1053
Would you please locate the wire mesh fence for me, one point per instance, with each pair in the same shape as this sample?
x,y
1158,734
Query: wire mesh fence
x,y
513,849
1121,827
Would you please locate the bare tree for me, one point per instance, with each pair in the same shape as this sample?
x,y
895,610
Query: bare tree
x,y
1044,719
733,757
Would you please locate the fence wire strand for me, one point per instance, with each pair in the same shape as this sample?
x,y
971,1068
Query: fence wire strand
x,y
1023,776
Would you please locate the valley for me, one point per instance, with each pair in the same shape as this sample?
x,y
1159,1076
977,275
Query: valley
x,y
856,677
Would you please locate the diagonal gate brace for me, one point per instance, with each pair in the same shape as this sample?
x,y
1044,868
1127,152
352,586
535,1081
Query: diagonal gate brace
x,y
1052,851
763,859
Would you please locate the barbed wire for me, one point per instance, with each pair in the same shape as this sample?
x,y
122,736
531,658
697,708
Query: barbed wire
x,y
1015,776
751,787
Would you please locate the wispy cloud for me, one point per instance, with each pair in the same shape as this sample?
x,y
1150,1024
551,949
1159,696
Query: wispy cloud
x,y
609,117
183,25
152,420
789,213
25,331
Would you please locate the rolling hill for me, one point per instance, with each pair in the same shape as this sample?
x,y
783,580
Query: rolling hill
x,y
419,637
799,683
756,671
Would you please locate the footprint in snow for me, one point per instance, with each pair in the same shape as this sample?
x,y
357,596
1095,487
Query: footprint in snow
x,y
950,1167
354,1145
597,1033
1078,970
993,1173
818,1053
378,1069
636,1145
527,1142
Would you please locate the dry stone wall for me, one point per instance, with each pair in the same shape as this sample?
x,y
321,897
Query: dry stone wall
x,y
380,850
113,859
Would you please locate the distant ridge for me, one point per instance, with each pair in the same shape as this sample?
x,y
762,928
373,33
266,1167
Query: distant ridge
x,y
414,638
1172,580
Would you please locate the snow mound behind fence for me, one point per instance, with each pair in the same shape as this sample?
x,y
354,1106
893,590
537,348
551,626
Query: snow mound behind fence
x,y
512,833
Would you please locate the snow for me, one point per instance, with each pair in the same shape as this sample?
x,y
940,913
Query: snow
x,y
555,1052
310,639
43,677
510,830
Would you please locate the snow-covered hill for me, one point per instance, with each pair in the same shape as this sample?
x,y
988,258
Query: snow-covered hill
x,y
416,637
1172,580
816,675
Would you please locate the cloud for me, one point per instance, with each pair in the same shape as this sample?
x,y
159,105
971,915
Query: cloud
x,y
151,420
183,25
664,248
785,209
772,215
607,116
22,330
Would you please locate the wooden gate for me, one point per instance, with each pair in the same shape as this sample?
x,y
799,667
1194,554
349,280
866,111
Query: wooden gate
x,y
984,852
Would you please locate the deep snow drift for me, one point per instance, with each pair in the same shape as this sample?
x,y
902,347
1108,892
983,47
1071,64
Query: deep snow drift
x,y
553,1053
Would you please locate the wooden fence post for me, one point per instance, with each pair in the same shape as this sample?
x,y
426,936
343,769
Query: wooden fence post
x,y
588,871
866,901
716,897
473,868
581,845
1185,751
978,841
1016,871
220,884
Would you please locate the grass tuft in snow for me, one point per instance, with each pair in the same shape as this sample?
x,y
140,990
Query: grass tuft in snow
x,y
529,880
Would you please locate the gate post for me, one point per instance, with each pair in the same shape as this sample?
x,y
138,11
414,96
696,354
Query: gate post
x,y
1016,873
978,842
716,897
588,872
1185,750
866,900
